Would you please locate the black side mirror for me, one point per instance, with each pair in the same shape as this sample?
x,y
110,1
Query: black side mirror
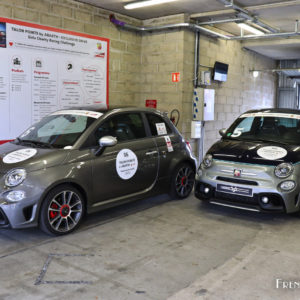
x,y
222,132
106,141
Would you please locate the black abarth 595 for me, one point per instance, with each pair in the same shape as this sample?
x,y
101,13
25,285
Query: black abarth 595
x,y
256,164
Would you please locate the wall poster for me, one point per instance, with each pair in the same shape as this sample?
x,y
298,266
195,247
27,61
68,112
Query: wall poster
x,y
43,69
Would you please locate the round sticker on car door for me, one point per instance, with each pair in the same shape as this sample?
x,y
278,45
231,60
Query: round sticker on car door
x,y
272,152
126,164
19,155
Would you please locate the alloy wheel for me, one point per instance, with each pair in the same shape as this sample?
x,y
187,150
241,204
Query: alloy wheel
x,y
184,181
65,211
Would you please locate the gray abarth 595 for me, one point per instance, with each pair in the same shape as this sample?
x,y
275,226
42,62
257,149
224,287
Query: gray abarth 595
x,y
80,161
256,164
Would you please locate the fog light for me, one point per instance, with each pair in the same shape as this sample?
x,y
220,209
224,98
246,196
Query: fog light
x,y
15,196
206,190
287,185
265,200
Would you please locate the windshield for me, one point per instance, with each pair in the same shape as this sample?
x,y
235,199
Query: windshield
x,y
56,131
273,127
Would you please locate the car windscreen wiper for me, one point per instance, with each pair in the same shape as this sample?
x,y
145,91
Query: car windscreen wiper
x,y
235,139
36,143
255,140
271,141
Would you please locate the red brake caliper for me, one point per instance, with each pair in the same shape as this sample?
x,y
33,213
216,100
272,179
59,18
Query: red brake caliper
x,y
53,214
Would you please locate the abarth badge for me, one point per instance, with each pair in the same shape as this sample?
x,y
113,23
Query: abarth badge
x,y
237,173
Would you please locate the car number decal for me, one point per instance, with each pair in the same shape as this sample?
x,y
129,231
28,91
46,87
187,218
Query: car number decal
x,y
126,164
19,155
237,132
272,152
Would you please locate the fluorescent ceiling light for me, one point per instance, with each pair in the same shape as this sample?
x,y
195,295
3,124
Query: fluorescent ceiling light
x,y
145,3
250,29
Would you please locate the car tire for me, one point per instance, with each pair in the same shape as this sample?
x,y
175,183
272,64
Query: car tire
x,y
182,181
62,210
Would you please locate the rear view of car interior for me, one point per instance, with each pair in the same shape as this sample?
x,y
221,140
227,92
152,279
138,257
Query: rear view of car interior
x,y
149,149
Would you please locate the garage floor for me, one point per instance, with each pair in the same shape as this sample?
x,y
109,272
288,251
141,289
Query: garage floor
x,y
156,249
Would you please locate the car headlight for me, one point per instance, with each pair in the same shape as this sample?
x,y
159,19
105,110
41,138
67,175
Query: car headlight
x,y
284,170
15,177
207,160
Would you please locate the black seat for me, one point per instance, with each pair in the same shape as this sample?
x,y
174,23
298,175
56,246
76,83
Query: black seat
x,y
269,127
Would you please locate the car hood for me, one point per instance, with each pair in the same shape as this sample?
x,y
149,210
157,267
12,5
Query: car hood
x,y
265,153
38,158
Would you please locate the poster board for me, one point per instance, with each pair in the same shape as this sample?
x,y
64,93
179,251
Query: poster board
x,y
43,69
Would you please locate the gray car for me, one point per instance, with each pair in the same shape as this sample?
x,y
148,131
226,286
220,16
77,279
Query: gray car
x,y
83,160
256,164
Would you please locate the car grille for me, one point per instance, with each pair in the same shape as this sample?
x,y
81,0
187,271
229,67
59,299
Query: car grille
x,y
235,180
276,202
237,198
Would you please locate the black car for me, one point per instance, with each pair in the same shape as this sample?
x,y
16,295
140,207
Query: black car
x,y
256,164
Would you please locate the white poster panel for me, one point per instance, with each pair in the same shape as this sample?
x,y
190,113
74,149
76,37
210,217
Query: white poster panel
x,y
43,69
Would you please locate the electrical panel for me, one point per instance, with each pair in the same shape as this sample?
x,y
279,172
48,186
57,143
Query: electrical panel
x,y
203,104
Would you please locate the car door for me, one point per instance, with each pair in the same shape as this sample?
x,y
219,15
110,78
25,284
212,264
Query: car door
x,y
167,141
129,167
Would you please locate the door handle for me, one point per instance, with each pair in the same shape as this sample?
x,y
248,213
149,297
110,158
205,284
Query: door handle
x,y
151,152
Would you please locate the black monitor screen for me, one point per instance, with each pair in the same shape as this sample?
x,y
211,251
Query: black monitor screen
x,y
220,71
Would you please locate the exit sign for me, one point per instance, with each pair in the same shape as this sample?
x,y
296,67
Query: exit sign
x,y
175,77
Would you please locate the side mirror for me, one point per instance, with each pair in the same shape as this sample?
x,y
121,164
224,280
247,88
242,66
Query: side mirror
x,y
106,141
222,132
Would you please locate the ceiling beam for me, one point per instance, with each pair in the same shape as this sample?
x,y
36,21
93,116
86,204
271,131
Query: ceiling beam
x,y
213,13
250,8
285,42
273,5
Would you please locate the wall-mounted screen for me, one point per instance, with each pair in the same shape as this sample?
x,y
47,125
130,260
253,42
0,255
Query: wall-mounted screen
x,y
220,71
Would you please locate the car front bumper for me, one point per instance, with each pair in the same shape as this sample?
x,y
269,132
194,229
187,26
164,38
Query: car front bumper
x,y
218,185
22,213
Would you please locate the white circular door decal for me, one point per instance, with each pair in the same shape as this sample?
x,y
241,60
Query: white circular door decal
x,y
126,164
19,155
272,152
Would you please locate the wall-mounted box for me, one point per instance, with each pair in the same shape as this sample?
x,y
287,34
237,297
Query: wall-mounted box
x,y
205,77
196,129
203,104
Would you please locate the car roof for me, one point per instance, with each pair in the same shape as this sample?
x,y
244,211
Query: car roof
x,y
275,110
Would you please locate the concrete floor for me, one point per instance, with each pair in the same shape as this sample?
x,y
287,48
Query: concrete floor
x,y
156,249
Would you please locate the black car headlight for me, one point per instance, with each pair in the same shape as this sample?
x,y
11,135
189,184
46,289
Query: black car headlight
x,y
207,161
15,177
284,170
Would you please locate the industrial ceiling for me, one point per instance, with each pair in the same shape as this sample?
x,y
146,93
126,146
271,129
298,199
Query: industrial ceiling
x,y
278,16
